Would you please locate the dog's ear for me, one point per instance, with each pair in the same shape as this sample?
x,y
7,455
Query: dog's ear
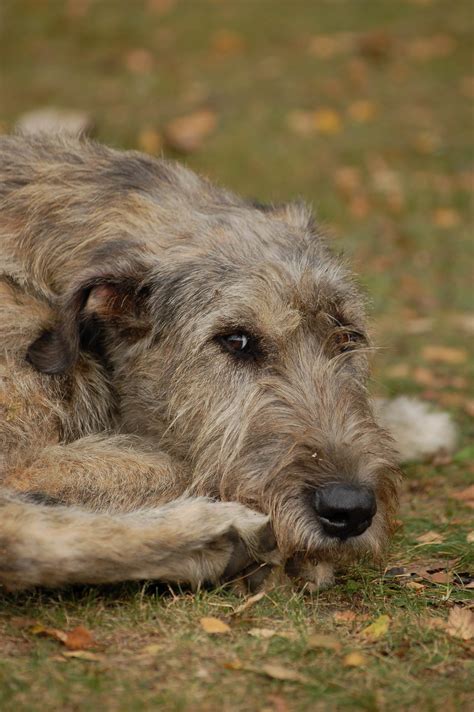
x,y
114,299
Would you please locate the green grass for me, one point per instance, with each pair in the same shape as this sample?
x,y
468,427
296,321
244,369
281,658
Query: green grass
x,y
415,262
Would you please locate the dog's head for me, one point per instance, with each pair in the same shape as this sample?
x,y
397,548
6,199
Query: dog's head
x,y
237,342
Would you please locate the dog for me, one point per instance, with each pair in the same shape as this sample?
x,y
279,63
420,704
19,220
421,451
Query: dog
x,y
183,379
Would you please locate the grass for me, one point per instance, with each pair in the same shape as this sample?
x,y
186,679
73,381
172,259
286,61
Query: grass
x,y
405,221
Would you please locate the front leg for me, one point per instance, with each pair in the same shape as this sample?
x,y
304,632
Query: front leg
x,y
101,473
187,541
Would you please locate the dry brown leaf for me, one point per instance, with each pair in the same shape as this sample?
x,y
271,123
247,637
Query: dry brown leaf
x,y
441,577
84,655
79,638
470,538
378,628
461,623
435,623
279,672
139,61
327,121
354,659
430,537
446,217
415,586
466,496
187,133
400,370
444,354
248,603
376,45
347,179
342,617
214,626
227,42
425,377
327,642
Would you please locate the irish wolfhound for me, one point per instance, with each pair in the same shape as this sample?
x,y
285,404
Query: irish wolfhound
x,y
172,359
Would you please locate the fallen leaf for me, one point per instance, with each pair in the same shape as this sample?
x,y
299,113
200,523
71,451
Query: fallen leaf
x,y
327,642
139,61
262,633
446,217
400,370
248,603
470,538
233,665
301,122
441,577
347,179
466,496
267,633
342,617
327,121
79,638
227,42
362,111
150,141
378,628
354,659
376,45
83,655
279,672
415,586
151,649
444,354
461,623
187,133
430,537
214,626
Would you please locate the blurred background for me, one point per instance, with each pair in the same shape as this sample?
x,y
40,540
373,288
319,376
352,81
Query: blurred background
x,y
360,107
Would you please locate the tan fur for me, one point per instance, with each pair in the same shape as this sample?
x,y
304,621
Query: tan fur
x,y
118,274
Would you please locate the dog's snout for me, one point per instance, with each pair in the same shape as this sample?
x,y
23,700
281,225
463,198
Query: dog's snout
x,y
345,510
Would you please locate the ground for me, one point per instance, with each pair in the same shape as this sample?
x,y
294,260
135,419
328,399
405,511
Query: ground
x,y
360,107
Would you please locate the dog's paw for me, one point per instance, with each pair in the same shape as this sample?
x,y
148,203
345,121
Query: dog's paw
x,y
312,576
240,542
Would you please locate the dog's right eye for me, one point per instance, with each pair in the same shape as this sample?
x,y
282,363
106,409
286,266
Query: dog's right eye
x,y
239,344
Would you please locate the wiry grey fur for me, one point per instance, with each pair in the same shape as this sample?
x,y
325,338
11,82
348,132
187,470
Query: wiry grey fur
x,y
119,273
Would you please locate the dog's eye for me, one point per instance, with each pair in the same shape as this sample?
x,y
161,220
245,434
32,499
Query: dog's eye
x,y
240,344
347,340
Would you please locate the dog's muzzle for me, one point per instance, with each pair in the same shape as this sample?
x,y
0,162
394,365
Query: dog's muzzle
x,y
345,510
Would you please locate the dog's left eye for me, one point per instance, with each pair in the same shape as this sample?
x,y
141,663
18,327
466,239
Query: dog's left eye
x,y
240,344
347,340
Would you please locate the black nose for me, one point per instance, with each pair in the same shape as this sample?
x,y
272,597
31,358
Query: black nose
x,y
345,510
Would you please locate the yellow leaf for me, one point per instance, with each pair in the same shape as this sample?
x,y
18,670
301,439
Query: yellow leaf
x,y
461,623
327,121
470,538
354,659
214,626
378,628
323,641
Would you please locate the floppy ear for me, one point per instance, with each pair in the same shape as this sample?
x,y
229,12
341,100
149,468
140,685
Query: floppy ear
x,y
114,299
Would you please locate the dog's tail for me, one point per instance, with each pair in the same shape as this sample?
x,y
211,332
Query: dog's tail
x,y
419,432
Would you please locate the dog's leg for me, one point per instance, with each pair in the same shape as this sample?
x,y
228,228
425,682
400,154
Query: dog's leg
x,y
109,473
187,541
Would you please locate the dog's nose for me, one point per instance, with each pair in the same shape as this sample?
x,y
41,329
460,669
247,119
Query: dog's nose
x,y
345,510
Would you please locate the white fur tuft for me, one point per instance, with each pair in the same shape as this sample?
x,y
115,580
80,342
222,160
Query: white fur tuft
x,y
418,431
